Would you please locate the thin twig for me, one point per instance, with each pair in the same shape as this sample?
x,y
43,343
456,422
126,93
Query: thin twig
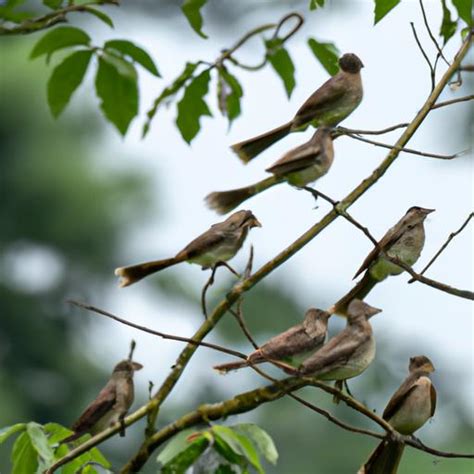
x,y
405,150
133,344
452,101
430,33
432,72
443,247
163,335
338,131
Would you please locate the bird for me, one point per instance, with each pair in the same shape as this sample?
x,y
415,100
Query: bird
x,y
290,345
299,167
335,100
348,353
111,405
218,244
404,241
411,406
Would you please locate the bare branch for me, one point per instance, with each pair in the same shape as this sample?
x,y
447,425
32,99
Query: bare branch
x,y
443,247
452,101
432,71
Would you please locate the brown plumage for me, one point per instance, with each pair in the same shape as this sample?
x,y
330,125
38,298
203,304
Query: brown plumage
x,y
218,244
296,341
408,410
330,104
112,403
405,241
300,166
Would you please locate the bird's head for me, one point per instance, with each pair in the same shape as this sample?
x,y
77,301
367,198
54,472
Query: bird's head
x,y
243,219
314,314
127,366
357,309
422,363
349,62
416,215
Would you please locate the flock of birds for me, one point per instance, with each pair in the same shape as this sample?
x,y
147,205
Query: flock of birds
x,y
301,350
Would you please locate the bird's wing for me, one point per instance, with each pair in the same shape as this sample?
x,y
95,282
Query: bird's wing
x,y
297,159
290,342
400,396
204,243
97,409
321,100
337,351
433,399
389,239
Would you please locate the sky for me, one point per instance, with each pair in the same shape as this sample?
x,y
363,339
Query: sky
x,y
396,84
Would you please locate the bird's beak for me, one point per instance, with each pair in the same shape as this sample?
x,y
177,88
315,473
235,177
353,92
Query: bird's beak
x,y
362,64
137,366
256,223
428,211
373,311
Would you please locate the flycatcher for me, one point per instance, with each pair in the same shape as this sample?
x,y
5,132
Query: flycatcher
x,y
299,167
336,99
405,241
348,353
290,346
112,403
412,405
218,244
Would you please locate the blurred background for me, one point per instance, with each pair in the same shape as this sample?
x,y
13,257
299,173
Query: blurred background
x,y
78,201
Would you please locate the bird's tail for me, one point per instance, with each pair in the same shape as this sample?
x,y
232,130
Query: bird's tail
x,y
134,273
384,459
249,149
360,291
224,368
224,201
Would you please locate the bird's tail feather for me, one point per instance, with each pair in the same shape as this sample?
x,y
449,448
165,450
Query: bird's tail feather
x,y
134,273
384,459
360,291
249,149
224,201
224,368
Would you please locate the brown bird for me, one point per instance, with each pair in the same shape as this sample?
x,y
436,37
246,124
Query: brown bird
x,y
290,346
112,403
348,353
218,244
299,167
412,405
336,99
405,241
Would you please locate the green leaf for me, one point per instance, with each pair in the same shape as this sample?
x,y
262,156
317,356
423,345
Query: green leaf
x,y
327,54
100,15
65,79
448,27
314,4
56,432
192,11
59,38
137,54
382,7
192,106
116,86
24,457
40,443
5,433
281,63
54,4
229,94
464,9
169,91
260,438
182,451
239,443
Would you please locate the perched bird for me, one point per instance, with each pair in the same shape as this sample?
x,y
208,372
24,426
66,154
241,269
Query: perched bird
x,y
300,166
412,405
405,241
291,345
218,244
112,403
336,99
348,353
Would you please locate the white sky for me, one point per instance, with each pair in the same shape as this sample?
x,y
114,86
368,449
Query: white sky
x,y
396,83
